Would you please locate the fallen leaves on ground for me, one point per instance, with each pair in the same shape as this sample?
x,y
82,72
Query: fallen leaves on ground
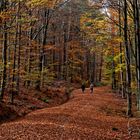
x,y
97,116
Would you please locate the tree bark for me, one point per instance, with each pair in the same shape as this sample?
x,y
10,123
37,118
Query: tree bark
x,y
128,69
5,46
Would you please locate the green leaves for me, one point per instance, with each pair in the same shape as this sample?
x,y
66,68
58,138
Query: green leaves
x,y
88,24
46,100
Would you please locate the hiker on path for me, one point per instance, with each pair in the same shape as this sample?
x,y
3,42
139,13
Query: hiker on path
x,y
91,87
83,87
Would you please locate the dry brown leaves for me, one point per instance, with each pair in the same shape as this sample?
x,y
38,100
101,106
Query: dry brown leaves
x,y
98,116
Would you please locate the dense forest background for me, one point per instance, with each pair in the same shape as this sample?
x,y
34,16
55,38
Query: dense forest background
x,y
73,40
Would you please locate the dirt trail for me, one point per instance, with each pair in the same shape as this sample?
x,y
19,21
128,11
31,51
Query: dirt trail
x,y
97,116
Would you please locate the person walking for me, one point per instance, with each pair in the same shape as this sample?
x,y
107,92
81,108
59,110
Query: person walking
x,y
91,87
83,87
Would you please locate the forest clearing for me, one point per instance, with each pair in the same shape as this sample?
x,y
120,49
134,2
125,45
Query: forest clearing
x,y
70,69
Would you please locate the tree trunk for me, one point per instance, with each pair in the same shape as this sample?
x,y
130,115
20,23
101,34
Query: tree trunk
x,y
137,43
128,69
101,64
4,77
114,84
5,46
40,82
121,59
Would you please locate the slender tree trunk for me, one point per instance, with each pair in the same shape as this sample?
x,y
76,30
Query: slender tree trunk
x,y
137,43
121,59
114,84
87,65
4,77
94,67
128,69
101,64
28,82
64,55
42,53
5,46
19,60
13,89
15,68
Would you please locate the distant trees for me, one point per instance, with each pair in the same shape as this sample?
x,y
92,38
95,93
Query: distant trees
x,y
131,42
94,26
121,53
39,41
126,19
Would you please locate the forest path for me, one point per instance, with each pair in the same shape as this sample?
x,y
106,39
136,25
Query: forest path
x,y
97,116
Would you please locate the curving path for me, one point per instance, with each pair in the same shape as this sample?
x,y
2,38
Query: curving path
x,y
84,117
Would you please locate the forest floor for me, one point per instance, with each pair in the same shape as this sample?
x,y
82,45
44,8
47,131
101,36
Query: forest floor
x,y
97,116
30,100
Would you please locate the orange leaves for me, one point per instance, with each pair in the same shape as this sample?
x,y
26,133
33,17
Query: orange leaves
x,y
5,16
49,47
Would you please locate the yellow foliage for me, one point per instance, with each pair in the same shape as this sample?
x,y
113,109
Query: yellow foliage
x,y
43,3
117,57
